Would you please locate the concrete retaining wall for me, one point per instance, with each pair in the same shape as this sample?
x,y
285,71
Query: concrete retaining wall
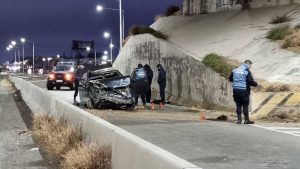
x,y
129,151
192,7
189,82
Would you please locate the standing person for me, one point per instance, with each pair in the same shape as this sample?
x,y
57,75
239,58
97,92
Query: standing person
x,y
138,75
78,75
242,81
162,82
149,74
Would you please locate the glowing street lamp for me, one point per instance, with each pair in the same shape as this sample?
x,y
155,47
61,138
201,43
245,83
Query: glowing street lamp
x,y
106,36
105,53
100,8
13,43
105,57
88,48
23,40
58,56
111,45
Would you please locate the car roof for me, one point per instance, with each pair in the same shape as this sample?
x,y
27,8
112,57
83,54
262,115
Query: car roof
x,y
110,69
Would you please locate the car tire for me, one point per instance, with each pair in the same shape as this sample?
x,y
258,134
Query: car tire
x,y
90,104
49,86
130,107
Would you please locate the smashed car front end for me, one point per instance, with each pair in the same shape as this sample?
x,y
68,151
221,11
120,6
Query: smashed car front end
x,y
111,92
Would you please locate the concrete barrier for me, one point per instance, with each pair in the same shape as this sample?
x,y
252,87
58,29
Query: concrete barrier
x,y
128,150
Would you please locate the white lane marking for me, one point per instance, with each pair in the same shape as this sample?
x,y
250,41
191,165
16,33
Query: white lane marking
x,y
284,130
38,81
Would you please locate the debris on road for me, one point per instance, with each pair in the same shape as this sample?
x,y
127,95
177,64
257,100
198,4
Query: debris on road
x,y
35,149
222,118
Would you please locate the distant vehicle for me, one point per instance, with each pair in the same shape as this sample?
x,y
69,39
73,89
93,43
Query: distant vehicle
x,y
61,75
108,88
65,63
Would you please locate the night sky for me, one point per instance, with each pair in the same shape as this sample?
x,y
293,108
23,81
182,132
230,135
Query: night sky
x,y
53,24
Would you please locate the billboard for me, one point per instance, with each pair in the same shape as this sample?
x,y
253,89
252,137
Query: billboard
x,y
82,45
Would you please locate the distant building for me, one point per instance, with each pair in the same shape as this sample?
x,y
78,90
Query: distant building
x,y
193,7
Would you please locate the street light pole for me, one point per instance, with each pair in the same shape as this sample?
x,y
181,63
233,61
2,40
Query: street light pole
x,y
121,25
95,57
23,60
23,40
111,49
32,57
15,55
99,8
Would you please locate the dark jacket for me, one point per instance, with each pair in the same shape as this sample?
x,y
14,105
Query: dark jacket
x,y
162,79
79,73
242,79
149,73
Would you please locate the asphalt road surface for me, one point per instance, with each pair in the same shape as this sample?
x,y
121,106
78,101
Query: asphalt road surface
x,y
211,144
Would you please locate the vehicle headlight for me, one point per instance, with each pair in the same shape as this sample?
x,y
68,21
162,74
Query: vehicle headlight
x,y
68,76
51,76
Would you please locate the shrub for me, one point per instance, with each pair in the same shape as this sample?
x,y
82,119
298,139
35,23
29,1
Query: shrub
x,y
277,88
88,157
137,30
172,10
56,136
219,64
287,43
279,33
64,143
280,19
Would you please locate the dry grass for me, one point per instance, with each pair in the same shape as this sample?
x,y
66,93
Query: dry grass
x,y
64,143
57,137
137,30
172,10
276,87
88,157
291,41
286,115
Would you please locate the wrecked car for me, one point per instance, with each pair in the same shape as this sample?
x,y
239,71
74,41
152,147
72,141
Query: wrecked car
x,y
108,88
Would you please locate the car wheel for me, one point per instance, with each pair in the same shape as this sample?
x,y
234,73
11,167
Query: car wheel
x,y
49,86
90,104
130,107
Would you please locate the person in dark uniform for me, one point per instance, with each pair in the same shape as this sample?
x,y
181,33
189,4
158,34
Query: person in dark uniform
x,y
162,82
139,74
78,75
242,81
149,74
